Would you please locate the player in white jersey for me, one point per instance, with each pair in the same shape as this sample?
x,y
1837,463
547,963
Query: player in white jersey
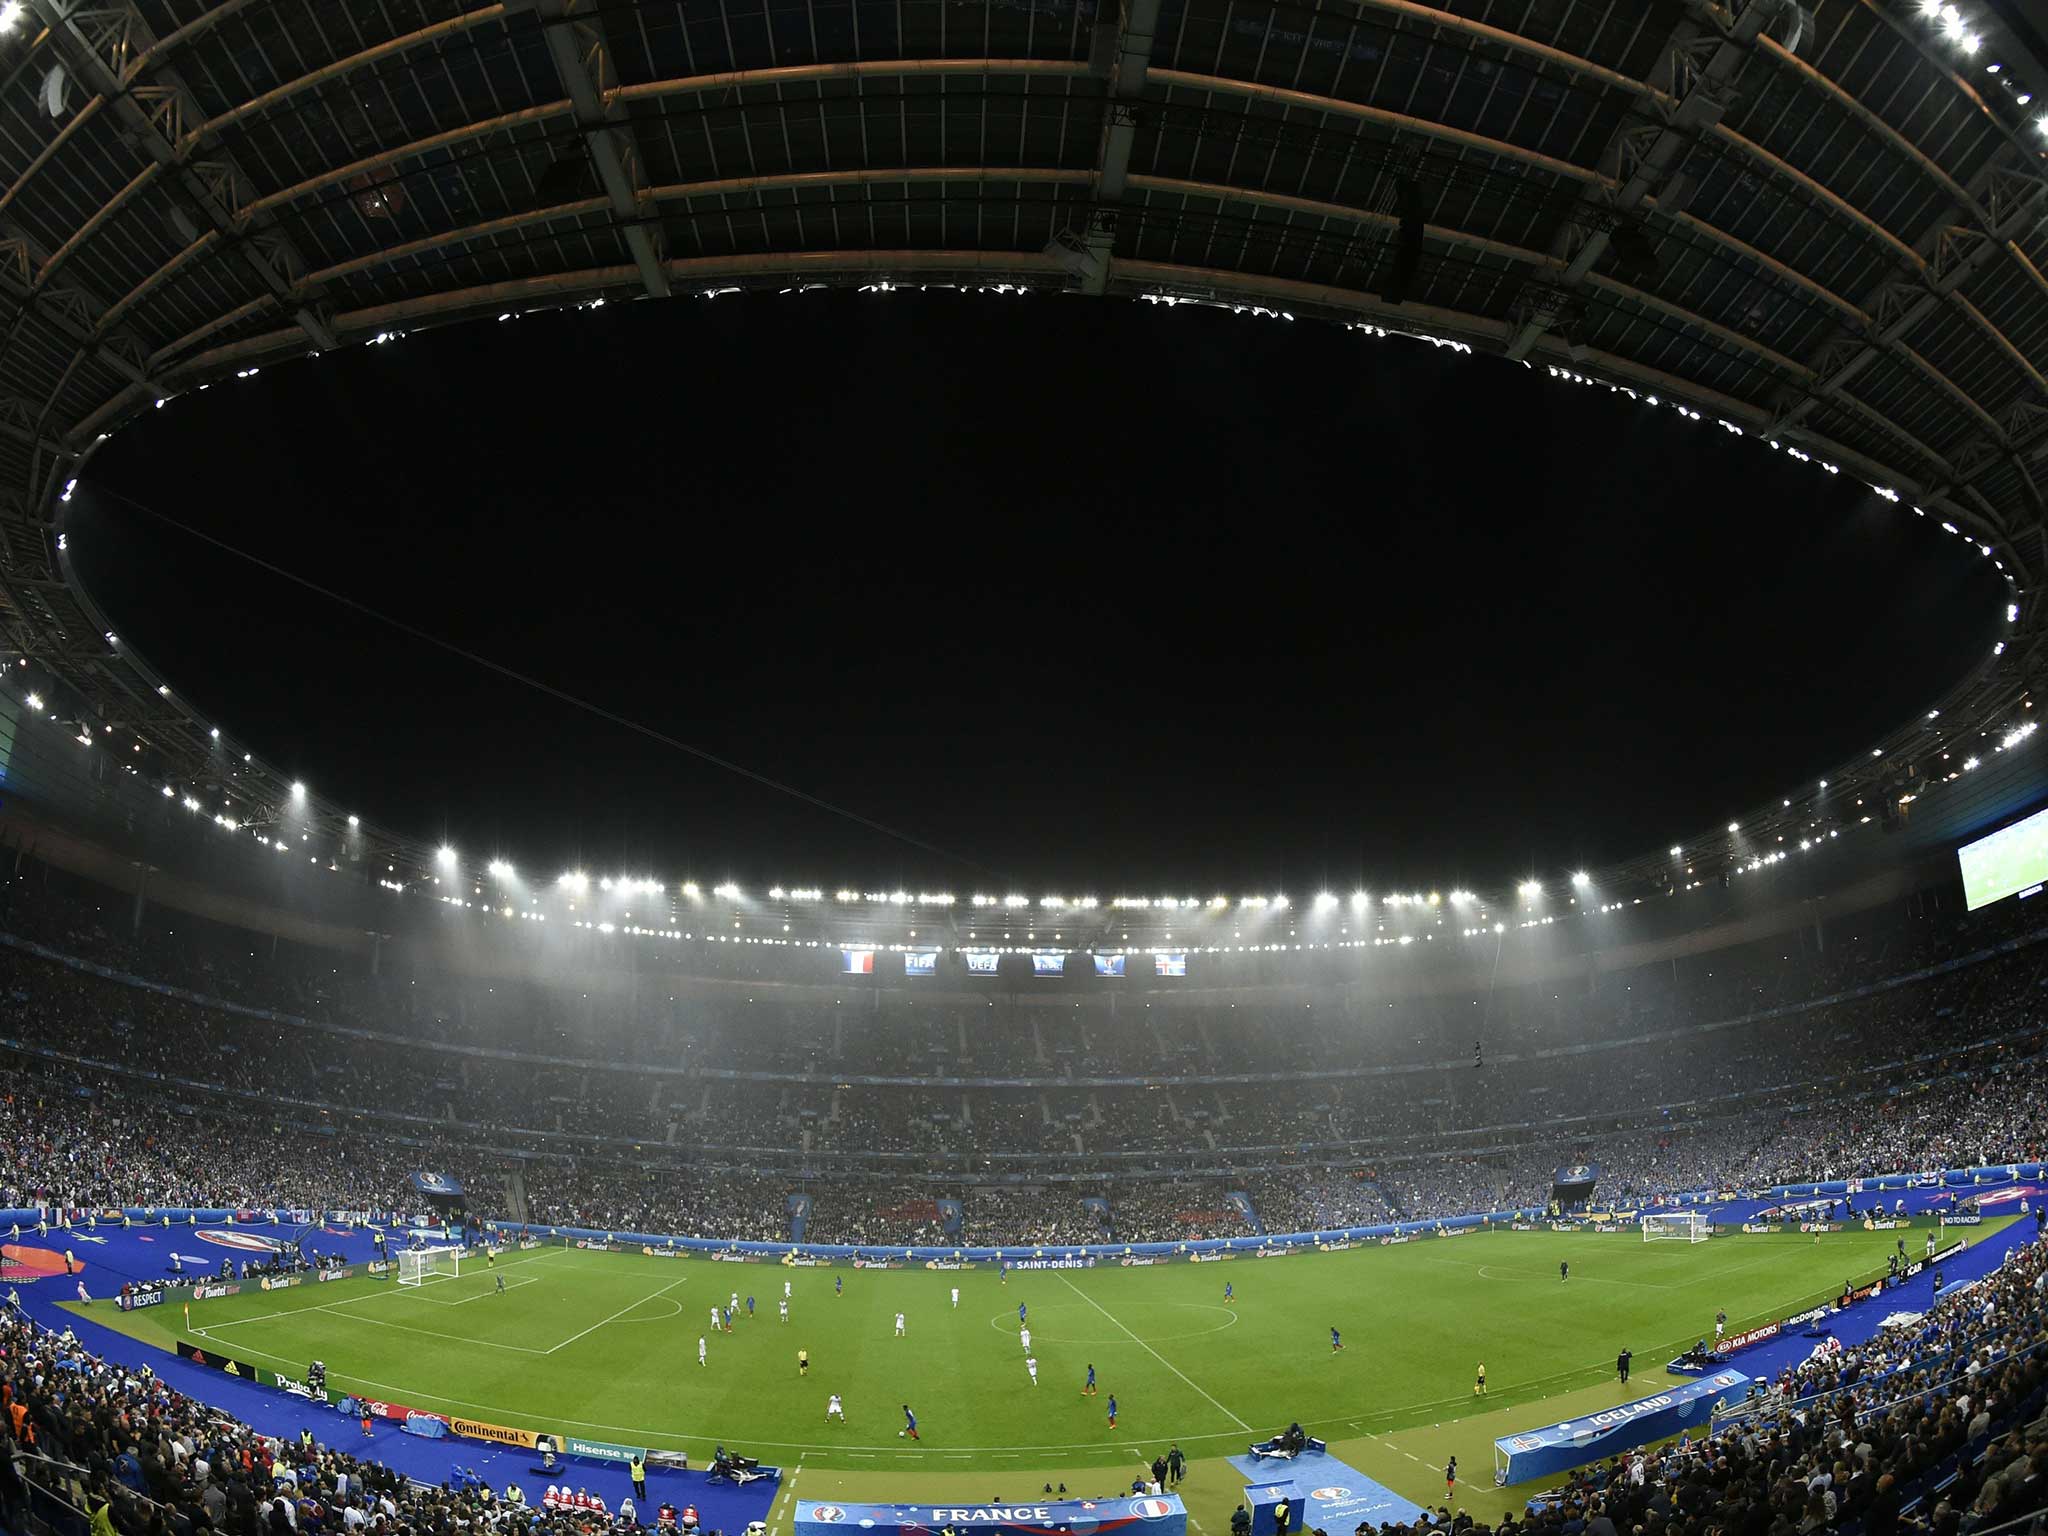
x,y
784,1305
1026,1336
700,1351
899,1325
735,1302
956,1289
834,1411
714,1319
1031,1365
785,1290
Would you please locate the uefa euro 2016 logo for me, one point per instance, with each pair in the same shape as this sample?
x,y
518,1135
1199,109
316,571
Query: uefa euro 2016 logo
x,y
828,1513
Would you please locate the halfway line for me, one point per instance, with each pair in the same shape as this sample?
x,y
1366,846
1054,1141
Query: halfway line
x,y
1098,1306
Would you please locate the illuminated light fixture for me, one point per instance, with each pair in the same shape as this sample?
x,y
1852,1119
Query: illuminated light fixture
x,y
575,881
1732,827
1359,901
690,889
11,14
1016,901
214,733
727,890
446,855
1279,903
1460,898
500,870
355,821
1674,850
298,790
35,701
1325,901
1581,880
189,803
1530,889
168,791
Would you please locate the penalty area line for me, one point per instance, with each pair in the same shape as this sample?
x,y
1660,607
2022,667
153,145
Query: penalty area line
x,y
651,1296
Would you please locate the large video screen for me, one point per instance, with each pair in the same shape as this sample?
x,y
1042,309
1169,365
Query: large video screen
x,y
2006,862
1044,963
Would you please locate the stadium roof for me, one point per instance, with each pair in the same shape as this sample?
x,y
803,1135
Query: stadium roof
x,y
1830,232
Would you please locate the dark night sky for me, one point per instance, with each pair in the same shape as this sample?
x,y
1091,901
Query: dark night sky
x,y
1090,595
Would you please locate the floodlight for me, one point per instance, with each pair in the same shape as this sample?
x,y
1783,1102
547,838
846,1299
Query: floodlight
x,y
298,790
1581,880
1530,889
35,701
446,855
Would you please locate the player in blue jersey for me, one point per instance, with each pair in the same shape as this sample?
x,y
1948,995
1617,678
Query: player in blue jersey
x,y
1336,1341
1020,1314
909,1424
1229,1296
839,1285
1112,1410
1089,1390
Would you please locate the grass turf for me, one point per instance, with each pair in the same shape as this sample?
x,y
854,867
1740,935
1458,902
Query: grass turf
x,y
605,1345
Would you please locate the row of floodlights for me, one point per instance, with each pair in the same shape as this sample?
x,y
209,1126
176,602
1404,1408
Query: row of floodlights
x,y
1954,26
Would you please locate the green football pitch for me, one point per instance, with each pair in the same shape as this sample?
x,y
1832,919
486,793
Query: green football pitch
x,y
605,1345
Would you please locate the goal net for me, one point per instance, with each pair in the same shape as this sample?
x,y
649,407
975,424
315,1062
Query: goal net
x,y
416,1264
1676,1227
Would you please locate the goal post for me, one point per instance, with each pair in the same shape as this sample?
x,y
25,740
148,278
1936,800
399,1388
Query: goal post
x,y
1676,1227
416,1264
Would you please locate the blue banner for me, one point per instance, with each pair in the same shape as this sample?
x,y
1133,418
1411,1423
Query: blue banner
x,y
436,1184
1162,1515
1560,1447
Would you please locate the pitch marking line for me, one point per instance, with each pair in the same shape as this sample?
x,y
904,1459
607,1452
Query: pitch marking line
x,y
381,1293
612,1319
512,1284
1098,1306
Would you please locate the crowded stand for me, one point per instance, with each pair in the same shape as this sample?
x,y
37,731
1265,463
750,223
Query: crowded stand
x,y
114,1086
1935,1426
96,1444
275,1084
